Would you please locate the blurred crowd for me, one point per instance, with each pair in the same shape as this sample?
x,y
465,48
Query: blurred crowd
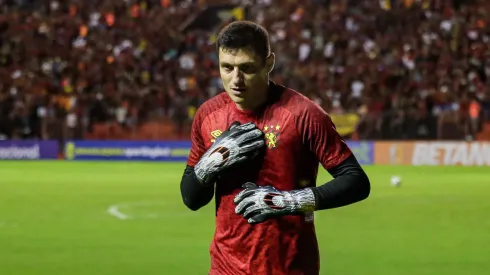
x,y
410,69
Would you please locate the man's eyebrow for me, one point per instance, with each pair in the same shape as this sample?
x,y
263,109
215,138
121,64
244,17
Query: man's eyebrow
x,y
241,64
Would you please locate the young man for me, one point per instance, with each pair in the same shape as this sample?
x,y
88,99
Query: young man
x,y
264,166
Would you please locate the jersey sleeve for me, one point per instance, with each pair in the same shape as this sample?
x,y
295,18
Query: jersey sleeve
x,y
198,147
319,134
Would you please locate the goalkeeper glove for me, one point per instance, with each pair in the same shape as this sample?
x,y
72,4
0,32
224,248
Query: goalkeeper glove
x,y
236,145
259,203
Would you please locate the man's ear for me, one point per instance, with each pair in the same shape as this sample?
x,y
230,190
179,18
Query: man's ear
x,y
270,61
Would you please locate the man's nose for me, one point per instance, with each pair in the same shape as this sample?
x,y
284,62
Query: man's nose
x,y
237,76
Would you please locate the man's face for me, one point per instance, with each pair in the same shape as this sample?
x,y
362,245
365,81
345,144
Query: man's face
x,y
245,76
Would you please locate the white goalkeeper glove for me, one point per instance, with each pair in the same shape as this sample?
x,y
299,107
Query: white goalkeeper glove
x,y
259,203
236,145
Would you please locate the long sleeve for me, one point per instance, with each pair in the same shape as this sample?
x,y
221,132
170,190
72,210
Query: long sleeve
x,y
194,194
350,185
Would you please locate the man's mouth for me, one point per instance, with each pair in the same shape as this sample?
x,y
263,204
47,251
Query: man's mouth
x,y
238,90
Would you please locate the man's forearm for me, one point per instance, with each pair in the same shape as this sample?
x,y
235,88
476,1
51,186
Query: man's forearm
x,y
350,185
194,194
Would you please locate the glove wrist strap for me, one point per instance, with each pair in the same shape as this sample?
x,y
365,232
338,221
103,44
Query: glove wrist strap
x,y
304,200
203,177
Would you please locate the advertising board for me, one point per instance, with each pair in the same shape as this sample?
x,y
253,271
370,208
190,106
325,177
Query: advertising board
x,y
432,153
28,149
127,150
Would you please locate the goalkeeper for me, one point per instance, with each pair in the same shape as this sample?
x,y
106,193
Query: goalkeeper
x,y
263,171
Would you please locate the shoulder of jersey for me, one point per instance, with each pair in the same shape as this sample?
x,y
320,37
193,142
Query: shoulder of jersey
x,y
298,104
213,104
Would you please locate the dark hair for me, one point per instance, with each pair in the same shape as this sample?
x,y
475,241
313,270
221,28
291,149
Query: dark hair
x,y
243,34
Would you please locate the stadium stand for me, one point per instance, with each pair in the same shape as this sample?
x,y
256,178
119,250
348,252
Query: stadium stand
x,y
138,70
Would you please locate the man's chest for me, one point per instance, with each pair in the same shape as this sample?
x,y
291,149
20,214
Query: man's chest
x,y
280,134
282,156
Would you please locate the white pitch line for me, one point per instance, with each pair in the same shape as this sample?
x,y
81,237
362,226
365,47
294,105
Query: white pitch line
x,y
7,225
114,211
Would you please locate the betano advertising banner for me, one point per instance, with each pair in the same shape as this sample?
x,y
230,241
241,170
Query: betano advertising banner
x,y
28,149
432,153
128,150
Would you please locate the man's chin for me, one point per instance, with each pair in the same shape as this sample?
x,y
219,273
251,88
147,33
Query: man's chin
x,y
237,98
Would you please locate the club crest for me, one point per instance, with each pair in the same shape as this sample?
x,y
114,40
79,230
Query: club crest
x,y
272,133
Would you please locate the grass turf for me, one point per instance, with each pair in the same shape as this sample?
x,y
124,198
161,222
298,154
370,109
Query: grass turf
x,y
54,220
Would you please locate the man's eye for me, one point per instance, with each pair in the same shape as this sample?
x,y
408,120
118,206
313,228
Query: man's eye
x,y
246,69
228,68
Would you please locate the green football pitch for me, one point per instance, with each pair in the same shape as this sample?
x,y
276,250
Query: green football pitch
x,y
94,218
